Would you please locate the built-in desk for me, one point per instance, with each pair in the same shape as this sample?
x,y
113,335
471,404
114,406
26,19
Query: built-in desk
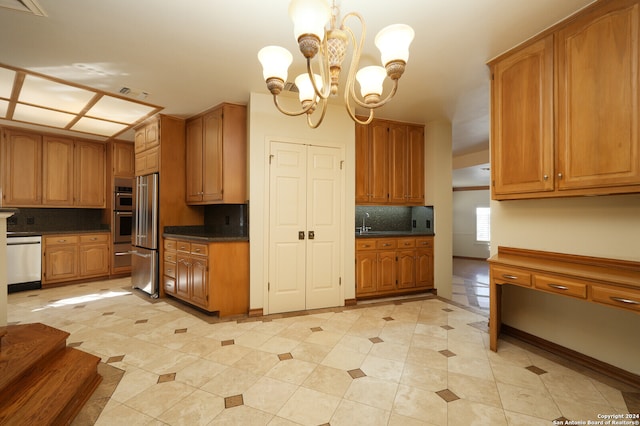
x,y
611,282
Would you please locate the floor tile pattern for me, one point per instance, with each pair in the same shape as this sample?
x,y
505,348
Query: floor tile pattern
x,y
418,361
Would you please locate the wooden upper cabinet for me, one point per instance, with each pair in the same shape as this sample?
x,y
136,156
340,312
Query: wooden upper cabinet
x,y
90,181
389,163
522,114
21,169
598,98
565,108
147,148
123,159
216,156
57,171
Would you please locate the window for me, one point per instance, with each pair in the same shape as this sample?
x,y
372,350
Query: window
x,y
483,224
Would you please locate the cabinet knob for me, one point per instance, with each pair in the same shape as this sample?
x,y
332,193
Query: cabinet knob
x,y
559,175
545,177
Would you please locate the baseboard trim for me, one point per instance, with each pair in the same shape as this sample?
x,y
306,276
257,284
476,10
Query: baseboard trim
x,y
350,302
573,356
256,312
470,258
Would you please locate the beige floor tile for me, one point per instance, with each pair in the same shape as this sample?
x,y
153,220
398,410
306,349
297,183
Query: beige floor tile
x,y
426,357
279,421
257,362
268,395
355,343
325,338
309,407
310,352
199,372
474,389
372,391
516,375
389,350
133,382
159,398
612,395
278,344
429,342
228,355
252,339
463,412
576,409
532,402
232,381
292,371
343,359
398,420
420,405
423,377
431,330
328,380
471,366
381,368
242,415
199,408
350,413
295,333
573,387
121,414
519,419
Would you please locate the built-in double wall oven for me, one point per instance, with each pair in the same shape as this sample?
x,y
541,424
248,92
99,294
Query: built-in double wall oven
x,y
122,221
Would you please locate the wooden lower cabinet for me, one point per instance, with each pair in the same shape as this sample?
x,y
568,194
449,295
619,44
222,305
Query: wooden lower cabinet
x,y
72,257
213,276
387,266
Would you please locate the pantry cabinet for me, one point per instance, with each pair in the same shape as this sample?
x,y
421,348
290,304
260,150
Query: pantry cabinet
x,y
389,163
216,156
390,265
565,108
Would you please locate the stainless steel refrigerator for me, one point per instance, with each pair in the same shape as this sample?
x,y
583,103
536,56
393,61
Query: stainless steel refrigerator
x,y
144,238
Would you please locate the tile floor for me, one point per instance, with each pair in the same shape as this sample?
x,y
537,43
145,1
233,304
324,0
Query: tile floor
x,y
418,361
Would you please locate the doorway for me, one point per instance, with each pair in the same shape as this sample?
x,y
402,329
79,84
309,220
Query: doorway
x,y
305,227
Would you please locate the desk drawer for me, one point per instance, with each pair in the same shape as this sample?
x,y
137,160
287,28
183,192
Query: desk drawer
x,y
406,243
387,244
621,298
508,275
424,242
565,286
366,244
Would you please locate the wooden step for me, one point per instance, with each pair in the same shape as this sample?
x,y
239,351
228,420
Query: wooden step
x,y
53,389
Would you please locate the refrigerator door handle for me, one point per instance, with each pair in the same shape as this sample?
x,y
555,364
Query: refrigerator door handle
x,y
136,253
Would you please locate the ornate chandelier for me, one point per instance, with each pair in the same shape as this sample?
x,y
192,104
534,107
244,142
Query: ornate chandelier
x,y
310,18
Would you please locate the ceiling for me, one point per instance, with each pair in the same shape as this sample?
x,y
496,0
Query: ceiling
x,y
187,56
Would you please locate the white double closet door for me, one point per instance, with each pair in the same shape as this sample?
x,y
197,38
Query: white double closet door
x,y
305,222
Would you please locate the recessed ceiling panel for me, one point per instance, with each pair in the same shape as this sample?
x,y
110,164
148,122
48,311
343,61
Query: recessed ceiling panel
x,y
120,110
50,94
7,77
46,117
98,127
3,108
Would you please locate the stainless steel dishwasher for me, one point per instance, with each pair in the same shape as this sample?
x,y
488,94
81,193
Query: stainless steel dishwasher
x,y
24,262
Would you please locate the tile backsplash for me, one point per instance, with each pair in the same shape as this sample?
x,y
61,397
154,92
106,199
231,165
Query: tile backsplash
x,y
54,220
395,218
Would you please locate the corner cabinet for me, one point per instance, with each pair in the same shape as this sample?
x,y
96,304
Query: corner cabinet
x,y
213,276
389,163
390,265
216,156
566,106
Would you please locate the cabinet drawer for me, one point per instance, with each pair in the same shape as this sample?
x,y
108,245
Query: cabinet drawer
x,y
386,243
170,256
622,298
406,242
199,249
366,244
424,242
169,285
564,286
506,275
170,269
61,239
170,245
94,238
183,246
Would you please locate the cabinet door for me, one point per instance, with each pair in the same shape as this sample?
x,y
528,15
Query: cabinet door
x,y
522,121
22,169
123,160
362,163
406,269
61,263
152,135
213,156
397,163
424,268
379,162
57,171
139,140
90,188
598,96
366,273
94,260
194,160
199,282
387,275
415,165
183,270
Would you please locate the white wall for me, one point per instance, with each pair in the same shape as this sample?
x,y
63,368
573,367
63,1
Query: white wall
x,y
464,223
266,123
605,226
438,193
3,267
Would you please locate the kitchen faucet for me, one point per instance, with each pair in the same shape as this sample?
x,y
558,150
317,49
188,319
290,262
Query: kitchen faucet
x,y
364,228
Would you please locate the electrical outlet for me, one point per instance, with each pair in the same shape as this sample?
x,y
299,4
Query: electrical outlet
x,y
227,220
13,220
31,220
414,223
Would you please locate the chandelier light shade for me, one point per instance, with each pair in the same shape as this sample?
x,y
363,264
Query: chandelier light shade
x,y
318,36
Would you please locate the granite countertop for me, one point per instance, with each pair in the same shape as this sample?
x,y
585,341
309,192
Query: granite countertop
x,y
380,234
199,233
80,231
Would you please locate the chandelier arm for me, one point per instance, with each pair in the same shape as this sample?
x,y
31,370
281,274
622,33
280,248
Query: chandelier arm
x,y
324,73
393,91
355,117
304,110
322,113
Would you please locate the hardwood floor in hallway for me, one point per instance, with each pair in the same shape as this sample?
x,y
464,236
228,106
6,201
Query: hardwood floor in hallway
x,y
471,283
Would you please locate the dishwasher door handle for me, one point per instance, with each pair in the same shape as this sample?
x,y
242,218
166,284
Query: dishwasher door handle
x,y
22,243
